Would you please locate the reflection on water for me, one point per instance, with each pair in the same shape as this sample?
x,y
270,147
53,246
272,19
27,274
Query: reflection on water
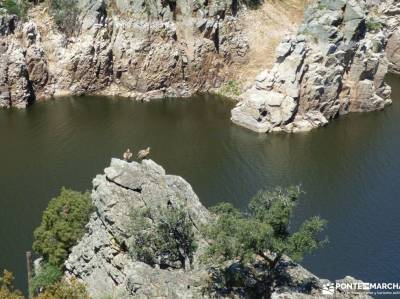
x,y
349,169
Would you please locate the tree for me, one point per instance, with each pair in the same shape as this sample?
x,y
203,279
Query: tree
x,y
163,238
65,290
63,224
261,236
6,287
48,275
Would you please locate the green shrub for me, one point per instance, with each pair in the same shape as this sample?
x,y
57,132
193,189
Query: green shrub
x,y
231,88
63,224
373,25
65,14
167,242
65,290
47,276
16,7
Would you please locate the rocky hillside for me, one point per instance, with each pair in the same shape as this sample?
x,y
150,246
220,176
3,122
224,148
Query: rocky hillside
x,y
140,49
102,260
334,65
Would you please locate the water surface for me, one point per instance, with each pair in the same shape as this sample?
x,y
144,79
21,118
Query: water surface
x,y
350,169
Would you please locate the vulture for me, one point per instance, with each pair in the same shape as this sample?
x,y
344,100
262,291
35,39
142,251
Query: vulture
x,y
127,155
142,154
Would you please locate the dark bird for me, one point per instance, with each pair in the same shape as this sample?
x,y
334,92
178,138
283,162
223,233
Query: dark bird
x,y
143,153
127,155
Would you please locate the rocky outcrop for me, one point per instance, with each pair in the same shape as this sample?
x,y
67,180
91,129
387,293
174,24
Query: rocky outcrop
x,y
336,64
23,65
15,87
102,260
140,49
389,12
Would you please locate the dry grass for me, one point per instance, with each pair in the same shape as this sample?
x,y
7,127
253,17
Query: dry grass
x,y
265,27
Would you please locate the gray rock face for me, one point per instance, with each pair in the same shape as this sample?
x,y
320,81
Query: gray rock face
x,y
336,64
101,259
390,11
23,66
138,49
15,89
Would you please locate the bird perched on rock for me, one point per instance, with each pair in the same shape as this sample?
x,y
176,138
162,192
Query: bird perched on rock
x,y
143,153
127,155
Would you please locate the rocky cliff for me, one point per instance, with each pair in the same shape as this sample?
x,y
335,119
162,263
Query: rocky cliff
x,y
102,260
140,49
334,65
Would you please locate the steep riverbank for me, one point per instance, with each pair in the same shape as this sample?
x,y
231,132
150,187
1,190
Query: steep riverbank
x,y
140,50
334,65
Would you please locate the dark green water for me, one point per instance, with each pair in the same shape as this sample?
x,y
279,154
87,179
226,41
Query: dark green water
x,y
350,170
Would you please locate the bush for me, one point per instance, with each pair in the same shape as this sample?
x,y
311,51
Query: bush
x,y
47,276
260,237
231,88
169,242
6,287
15,7
373,25
65,290
63,224
65,14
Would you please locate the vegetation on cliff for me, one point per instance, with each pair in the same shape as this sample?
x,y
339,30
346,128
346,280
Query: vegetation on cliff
x,y
47,276
65,14
65,290
169,242
63,224
59,290
257,240
241,246
15,7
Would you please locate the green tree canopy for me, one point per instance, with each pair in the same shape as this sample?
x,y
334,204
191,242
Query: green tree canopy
x,y
48,275
165,238
262,235
63,224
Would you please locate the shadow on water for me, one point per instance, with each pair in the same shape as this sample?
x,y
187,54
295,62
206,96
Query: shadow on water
x,y
348,169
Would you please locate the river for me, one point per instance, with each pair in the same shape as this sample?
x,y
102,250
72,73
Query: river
x,y
350,170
